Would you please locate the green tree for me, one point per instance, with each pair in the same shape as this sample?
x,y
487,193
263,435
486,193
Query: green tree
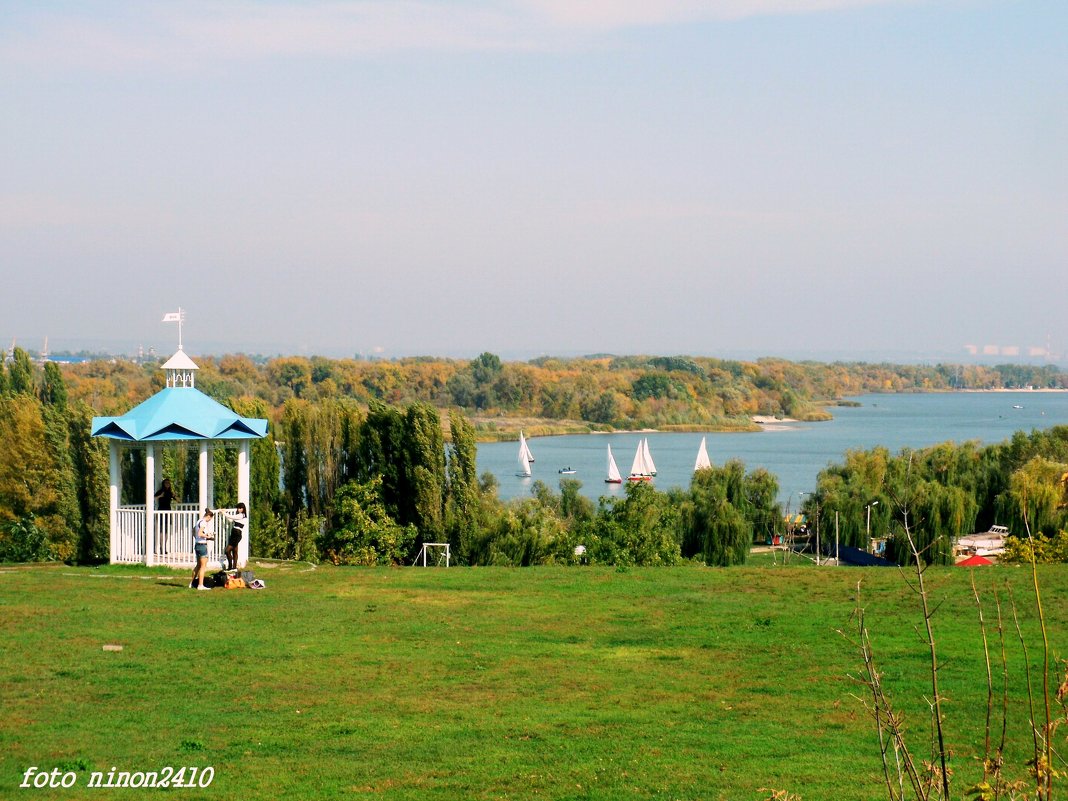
x,y
462,502
29,477
1035,500
20,373
294,432
381,454
90,460
67,527
714,527
363,533
423,501
642,529
264,493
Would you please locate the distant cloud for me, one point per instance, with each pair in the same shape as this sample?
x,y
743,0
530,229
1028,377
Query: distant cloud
x,y
614,14
105,36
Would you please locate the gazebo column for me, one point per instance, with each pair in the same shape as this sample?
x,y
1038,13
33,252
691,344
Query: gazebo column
x,y
114,494
202,472
150,512
243,461
157,474
211,475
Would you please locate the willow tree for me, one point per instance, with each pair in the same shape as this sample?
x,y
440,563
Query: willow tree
x,y
1036,498
265,465
714,528
462,496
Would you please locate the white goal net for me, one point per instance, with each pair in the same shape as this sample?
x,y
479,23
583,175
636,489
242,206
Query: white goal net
x,y
433,554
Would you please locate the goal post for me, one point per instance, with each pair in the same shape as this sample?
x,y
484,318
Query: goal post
x,y
433,554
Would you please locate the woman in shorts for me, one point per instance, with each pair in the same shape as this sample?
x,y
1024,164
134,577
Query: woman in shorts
x,y
202,535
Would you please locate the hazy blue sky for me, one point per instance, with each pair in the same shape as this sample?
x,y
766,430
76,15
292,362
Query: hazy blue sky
x,y
655,176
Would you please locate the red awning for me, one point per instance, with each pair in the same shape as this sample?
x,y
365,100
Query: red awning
x,y
974,561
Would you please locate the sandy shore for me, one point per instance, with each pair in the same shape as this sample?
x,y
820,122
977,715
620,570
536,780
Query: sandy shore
x,y
769,423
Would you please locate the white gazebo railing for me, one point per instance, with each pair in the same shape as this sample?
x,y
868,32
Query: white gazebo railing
x,y
171,542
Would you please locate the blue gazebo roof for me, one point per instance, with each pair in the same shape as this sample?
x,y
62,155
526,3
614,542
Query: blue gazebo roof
x,y
178,413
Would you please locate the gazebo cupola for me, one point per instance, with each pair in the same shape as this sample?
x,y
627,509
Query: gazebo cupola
x,y
181,370
178,413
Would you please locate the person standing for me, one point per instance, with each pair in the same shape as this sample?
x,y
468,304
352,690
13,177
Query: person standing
x,y
237,530
203,533
164,496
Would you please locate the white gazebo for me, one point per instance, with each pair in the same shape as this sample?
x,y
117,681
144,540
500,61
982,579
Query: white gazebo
x,y
180,412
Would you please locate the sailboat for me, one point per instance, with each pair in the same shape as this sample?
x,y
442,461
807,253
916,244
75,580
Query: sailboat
x,y
524,448
613,472
639,470
702,457
650,467
524,458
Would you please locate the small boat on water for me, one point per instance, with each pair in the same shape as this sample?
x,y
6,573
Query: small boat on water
x,y
613,472
702,457
639,468
566,471
525,448
524,461
649,465
1016,406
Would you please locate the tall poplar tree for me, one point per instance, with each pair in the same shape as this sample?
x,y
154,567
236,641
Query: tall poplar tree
x,y
56,421
461,516
90,458
423,504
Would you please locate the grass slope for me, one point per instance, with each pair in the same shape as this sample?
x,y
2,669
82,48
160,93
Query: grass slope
x,y
687,683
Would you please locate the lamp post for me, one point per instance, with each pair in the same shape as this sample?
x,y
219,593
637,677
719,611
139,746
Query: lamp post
x,y
868,507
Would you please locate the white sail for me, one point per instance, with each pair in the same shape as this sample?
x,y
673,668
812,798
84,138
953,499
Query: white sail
x,y
650,467
524,461
525,448
639,469
702,457
613,472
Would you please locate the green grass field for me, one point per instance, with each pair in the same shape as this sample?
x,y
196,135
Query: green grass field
x,y
562,683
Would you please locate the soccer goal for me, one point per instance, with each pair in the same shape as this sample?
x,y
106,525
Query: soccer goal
x,y
433,554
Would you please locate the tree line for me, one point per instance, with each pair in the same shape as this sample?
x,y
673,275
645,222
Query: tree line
x,y
364,481
595,392
949,490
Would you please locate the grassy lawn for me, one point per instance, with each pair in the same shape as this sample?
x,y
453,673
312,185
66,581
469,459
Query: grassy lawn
x,y
562,683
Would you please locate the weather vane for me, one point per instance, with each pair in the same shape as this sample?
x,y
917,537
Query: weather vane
x,y
176,317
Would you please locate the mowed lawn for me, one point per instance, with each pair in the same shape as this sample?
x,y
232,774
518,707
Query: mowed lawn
x,y
563,683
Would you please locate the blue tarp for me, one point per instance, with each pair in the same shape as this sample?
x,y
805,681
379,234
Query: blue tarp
x,y
855,556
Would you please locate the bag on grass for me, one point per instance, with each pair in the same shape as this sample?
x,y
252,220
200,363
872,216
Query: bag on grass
x,y
235,583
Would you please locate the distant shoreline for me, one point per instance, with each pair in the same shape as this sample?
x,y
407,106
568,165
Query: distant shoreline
x,y
507,430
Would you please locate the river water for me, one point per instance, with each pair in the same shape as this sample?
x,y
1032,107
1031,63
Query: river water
x,y
794,452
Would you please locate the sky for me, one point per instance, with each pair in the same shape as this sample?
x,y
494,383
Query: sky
x,y
807,178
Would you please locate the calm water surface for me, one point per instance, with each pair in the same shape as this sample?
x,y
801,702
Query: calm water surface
x,y
795,454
